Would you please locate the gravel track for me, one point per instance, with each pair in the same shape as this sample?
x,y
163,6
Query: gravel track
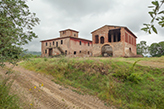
x,y
28,85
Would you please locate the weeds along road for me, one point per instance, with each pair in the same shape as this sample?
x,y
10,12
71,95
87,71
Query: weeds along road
x,y
39,92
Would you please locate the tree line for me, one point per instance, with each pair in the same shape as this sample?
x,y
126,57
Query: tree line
x,y
155,49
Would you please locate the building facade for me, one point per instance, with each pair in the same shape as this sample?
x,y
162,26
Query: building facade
x,y
116,41
67,44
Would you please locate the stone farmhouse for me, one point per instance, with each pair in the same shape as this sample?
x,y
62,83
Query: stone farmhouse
x,y
109,40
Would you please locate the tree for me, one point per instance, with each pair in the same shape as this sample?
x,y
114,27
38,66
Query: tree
x,y
142,48
156,15
157,49
16,29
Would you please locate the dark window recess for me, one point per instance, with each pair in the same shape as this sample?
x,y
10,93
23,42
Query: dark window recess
x,y
119,36
45,51
80,42
74,34
79,51
56,44
61,41
66,52
109,38
46,43
102,40
74,52
53,42
88,52
96,39
88,44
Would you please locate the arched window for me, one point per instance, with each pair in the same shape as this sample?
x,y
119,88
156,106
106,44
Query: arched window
x,y
102,40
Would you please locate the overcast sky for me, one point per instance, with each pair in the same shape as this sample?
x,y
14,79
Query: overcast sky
x,y
87,15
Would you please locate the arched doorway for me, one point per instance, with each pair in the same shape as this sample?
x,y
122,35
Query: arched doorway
x,y
107,50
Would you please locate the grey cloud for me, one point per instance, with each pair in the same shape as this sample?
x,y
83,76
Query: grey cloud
x,y
79,8
88,15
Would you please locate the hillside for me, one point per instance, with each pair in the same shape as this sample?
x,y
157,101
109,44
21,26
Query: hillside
x,y
117,81
33,52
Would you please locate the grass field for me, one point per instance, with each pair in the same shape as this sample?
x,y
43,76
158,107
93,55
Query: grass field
x,y
118,81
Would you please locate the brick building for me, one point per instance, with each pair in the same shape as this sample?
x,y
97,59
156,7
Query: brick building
x,y
108,40
114,41
68,43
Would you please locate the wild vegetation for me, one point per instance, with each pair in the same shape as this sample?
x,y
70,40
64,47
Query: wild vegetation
x,y
119,83
7,100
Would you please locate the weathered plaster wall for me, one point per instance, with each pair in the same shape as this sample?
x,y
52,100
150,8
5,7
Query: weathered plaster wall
x,y
76,47
54,44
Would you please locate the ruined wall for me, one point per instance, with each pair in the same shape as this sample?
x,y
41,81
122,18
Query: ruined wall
x,y
130,44
53,44
102,32
120,48
80,49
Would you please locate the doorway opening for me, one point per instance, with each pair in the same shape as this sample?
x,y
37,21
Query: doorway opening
x,y
107,50
50,52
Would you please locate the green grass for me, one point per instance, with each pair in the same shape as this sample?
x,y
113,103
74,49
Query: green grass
x,y
125,85
7,101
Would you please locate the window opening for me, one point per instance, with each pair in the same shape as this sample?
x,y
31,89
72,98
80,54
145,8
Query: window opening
x,y
96,39
74,52
102,40
61,41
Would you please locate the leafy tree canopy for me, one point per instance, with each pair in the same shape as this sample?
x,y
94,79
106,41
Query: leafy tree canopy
x,y
16,28
142,48
157,49
156,15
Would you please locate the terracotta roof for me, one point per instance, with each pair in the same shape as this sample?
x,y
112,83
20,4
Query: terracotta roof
x,y
66,37
69,30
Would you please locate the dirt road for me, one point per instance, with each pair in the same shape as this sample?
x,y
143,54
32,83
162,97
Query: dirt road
x,y
39,92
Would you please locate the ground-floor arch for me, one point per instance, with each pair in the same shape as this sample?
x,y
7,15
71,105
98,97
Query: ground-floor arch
x,y
107,50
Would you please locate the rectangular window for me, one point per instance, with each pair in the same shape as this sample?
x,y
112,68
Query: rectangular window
x,y
56,44
46,43
61,41
88,44
53,42
45,51
80,42
74,52
96,39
